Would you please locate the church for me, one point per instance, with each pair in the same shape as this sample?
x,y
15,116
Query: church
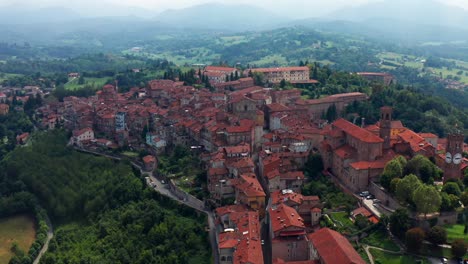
x,y
357,155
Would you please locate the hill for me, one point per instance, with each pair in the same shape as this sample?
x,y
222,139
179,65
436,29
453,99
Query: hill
x,y
422,12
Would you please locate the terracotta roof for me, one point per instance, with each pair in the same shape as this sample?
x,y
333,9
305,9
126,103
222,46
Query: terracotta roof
x,y
283,196
428,135
245,239
283,217
293,175
345,152
357,132
361,211
334,248
364,165
79,132
250,186
281,261
149,159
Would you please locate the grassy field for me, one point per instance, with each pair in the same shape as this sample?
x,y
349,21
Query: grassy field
x,y
453,72
341,219
386,258
455,232
5,76
380,239
19,229
73,83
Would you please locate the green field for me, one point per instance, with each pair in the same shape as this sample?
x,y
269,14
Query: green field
x,y
73,83
386,258
453,72
455,232
342,220
380,239
19,229
5,76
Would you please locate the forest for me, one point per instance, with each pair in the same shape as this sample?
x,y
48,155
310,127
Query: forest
x,y
102,210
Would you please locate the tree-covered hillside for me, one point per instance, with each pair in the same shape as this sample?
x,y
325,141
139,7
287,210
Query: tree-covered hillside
x,y
102,210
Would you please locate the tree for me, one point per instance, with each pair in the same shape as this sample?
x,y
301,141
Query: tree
x,y
331,114
464,198
314,165
427,199
406,187
423,168
81,80
283,83
452,188
361,222
459,248
414,238
393,185
437,235
393,169
399,222
449,202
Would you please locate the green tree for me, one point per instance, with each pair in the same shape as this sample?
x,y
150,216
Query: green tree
x,y
283,83
427,199
414,238
464,198
361,222
437,235
393,185
399,222
81,80
459,248
332,113
452,188
406,187
393,169
449,202
314,165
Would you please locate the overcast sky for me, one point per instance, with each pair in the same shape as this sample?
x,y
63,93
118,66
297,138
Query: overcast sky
x,y
297,8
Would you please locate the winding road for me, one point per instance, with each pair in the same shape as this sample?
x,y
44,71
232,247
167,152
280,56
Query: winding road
x,y
188,200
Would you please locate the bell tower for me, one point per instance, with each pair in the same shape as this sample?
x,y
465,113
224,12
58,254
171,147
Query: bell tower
x,y
453,156
386,125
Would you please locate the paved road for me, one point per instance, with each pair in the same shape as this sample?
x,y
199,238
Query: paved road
x,y
188,200
164,189
50,235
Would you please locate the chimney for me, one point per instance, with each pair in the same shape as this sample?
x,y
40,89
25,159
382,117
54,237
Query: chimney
x,y
363,122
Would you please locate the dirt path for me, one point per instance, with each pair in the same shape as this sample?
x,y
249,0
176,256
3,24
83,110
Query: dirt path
x,y
50,235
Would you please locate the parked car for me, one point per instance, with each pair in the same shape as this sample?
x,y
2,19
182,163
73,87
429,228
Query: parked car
x,y
376,201
370,197
444,260
364,194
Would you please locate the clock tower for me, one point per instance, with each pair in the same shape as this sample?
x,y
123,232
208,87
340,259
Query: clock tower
x,y
453,156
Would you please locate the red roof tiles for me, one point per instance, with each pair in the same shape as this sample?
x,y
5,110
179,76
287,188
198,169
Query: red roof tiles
x,y
334,248
357,132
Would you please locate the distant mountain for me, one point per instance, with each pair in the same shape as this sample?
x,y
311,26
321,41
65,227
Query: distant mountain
x,y
11,15
424,12
219,16
389,30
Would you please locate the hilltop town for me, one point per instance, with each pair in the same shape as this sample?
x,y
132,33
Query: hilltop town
x,y
255,144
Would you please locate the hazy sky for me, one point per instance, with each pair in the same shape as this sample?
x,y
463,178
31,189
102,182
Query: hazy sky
x,y
297,8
